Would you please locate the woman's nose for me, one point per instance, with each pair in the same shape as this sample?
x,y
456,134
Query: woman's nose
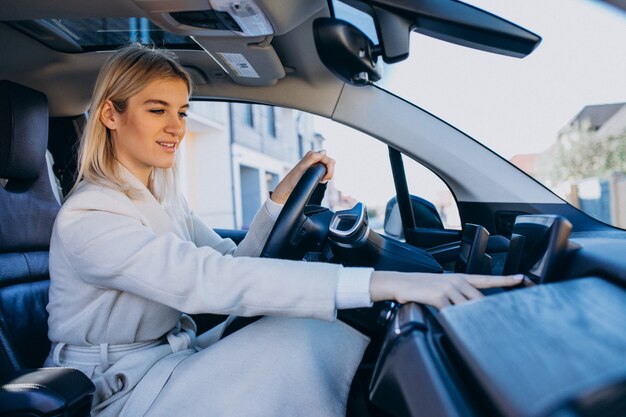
x,y
176,126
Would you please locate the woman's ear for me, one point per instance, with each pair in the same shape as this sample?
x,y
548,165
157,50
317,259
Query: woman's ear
x,y
108,115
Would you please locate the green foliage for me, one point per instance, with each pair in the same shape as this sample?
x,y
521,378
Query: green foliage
x,y
587,156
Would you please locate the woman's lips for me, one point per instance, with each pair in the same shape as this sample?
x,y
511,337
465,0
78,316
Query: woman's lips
x,y
168,146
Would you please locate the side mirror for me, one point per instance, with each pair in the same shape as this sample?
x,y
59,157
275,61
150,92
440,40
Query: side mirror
x,y
424,212
346,51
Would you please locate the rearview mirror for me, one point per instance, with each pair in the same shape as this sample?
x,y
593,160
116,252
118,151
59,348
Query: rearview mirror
x,y
451,21
346,51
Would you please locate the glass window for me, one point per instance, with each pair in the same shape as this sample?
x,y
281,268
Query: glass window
x,y
250,194
256,165
248,115
357,17
271,121
366,176
558,114
424,184
272,180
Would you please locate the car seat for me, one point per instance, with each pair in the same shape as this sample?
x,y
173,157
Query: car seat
x,y
27,211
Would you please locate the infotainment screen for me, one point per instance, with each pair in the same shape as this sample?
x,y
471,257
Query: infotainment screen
x,y
538,244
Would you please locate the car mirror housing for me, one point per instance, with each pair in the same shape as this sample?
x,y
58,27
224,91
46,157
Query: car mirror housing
x,y
424,213
346,51
448,20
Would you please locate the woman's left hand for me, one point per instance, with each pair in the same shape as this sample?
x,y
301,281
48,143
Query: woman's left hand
x,y
285,187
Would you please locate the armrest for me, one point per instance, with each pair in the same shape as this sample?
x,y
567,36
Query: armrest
x,y
46,392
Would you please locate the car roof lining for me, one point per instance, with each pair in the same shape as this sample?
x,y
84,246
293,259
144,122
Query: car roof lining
x,y
34,62
45,9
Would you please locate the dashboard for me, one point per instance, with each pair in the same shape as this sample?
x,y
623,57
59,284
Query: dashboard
x,y
556,348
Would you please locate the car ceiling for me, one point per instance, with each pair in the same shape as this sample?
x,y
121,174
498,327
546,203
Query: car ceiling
x,y
67,78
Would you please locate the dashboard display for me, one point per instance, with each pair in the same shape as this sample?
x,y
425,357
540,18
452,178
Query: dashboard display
x,y
539,243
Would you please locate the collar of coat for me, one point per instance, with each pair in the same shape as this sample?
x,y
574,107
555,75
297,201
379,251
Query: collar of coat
x,y
159,219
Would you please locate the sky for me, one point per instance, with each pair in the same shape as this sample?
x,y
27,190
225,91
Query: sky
x,y
518,105
514,106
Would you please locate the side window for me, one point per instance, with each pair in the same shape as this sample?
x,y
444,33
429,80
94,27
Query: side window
x,y
425,184
228,169
363,173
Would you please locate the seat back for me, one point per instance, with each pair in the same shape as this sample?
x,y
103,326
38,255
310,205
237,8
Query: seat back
x,y
27,211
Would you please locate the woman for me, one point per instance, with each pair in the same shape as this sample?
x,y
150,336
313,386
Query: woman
x,y
127,256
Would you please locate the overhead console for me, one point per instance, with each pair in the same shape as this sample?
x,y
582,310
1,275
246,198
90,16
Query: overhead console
x,y
210,18
236,34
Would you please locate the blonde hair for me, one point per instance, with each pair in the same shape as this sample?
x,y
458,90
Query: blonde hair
x,y
129,70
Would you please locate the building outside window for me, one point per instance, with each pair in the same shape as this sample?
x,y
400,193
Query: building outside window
x,y
271,121
250,191
258,157
248,115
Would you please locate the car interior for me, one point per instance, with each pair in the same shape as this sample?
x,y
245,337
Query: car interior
x,y
555,347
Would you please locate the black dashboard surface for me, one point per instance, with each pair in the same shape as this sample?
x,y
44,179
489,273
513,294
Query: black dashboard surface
x,y
535,350
602,255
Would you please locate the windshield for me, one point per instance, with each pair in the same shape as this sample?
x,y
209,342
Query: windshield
x,y
559,114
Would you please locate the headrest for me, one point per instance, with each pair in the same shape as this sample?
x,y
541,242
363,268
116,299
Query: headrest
x,y
23,131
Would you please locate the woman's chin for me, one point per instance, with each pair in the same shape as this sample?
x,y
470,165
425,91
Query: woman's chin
x,y
164,164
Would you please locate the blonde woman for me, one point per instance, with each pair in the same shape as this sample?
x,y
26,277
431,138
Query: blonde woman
x,y
127,256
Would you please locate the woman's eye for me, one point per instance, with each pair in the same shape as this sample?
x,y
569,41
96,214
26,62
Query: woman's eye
x,y
157,111
182,114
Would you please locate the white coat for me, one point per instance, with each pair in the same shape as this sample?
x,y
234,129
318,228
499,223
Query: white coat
x,y
122,270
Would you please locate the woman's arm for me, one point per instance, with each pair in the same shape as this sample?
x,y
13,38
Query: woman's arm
x,y
438,290
262,224
251,245
100,239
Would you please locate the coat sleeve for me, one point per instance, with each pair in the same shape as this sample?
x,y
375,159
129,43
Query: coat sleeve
x,y
251,245
110,247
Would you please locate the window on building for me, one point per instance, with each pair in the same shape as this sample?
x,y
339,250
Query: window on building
x,y
271,121
272,180
250,194
248,115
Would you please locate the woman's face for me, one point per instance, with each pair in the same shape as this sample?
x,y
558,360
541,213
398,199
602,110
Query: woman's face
x,y
148,133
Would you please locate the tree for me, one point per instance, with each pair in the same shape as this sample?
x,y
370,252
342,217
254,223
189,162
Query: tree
x,y
587,155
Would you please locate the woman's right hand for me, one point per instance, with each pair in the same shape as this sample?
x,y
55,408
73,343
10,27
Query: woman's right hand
x,y
437,290
286,185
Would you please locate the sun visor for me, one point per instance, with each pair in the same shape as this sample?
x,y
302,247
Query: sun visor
x,y
236,34
255,64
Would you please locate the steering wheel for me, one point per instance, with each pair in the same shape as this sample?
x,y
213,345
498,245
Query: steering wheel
x,y
292,215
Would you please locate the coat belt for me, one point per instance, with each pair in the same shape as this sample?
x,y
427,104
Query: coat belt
x,y
181,337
